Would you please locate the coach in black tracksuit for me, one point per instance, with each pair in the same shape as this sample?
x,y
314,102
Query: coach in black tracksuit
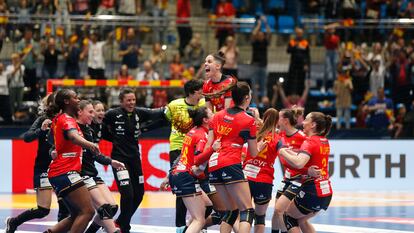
x,y
122,126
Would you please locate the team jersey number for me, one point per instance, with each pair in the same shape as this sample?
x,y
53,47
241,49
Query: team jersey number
x,y
224,130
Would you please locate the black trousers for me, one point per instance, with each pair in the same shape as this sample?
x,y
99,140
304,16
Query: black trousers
x,y
185,33
5,109
180,209
131,190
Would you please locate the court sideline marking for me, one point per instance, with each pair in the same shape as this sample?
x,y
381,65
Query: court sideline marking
x,y
319,227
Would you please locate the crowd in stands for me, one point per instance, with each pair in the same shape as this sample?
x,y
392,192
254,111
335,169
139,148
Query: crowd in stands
x,y
372,81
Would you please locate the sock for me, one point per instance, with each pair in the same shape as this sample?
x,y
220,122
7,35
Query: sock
x,y
93,228
29,214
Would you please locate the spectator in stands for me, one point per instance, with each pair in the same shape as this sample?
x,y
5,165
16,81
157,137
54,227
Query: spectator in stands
x,y
95,53
130,49
124,74
46,8
376,76
331,43
225,12
332,9
15,72
373,11
184,30
409,11
50,59
5,111
158,58
294,99
72,56
397,124
377,53
80,7
129,7
28,50
148,73
231,54
194,52
106,7
343,91
63,9
408,123
159,10
145,96
299,51
400,78
359,72
260,42
23,12
349,9
176,67
380,111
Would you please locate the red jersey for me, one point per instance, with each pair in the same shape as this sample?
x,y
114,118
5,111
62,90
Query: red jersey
x,y
317,147
193,143
260,169
295,141
69,155
233,126
211,87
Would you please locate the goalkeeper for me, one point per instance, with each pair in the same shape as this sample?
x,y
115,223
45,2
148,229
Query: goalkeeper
x,y
177,113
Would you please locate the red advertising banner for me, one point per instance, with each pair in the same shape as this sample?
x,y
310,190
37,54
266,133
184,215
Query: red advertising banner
x,y
154,157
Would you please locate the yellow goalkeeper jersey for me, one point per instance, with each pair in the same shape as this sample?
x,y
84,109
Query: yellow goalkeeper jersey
x,y
177,113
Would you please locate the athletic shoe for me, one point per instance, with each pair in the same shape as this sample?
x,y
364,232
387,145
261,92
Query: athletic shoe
x,y
180,229
9,226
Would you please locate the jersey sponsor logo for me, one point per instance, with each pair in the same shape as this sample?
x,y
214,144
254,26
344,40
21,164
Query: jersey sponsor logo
x,y
73,178
120,122
124,183
119,116
69,154
122,175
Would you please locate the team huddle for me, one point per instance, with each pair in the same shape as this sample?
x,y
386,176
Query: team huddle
x,y
212,173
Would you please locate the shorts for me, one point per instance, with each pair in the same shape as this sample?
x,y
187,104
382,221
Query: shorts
x,y
41,180
66,183
207,187
227,175
261,192
308,202
183,184
92,182
289,189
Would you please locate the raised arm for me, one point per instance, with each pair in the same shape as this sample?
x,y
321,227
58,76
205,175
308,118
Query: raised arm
x,y
38,128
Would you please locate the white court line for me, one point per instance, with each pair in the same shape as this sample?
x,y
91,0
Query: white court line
x,y
318,227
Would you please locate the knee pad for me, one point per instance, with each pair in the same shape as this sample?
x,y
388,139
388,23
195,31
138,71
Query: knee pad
x,y
231,216
217,217
290,222
247,215
259,219
41,212
209,210
105,212
114,209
